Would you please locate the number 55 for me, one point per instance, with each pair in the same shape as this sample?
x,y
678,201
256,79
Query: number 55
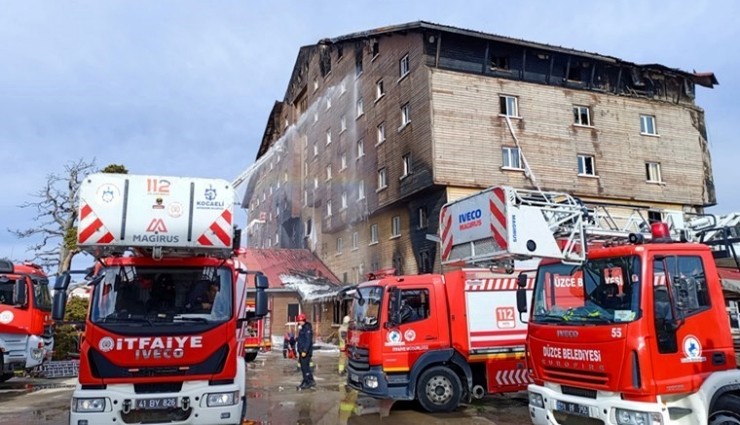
x,y
616,333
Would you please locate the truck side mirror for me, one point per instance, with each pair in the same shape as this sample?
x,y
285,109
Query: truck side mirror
x,y
260,297
20,294
521,300
60,296
521,280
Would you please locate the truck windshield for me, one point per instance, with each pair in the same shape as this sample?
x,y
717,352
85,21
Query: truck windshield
x,y
162,296
605,290
366,307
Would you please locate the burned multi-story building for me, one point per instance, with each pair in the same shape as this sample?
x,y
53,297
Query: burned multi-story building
x,y
378,129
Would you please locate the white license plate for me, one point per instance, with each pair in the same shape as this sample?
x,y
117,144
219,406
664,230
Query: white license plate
x,y
156,403
572,408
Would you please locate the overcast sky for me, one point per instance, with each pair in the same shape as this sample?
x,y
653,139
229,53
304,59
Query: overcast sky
x,y
185,87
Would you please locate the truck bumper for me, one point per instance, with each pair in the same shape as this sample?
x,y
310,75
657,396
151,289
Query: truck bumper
x,y
190,405
376,383
24,351
549,406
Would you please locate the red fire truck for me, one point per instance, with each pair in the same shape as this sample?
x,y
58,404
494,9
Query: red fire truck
x,y
256,335
163,338
624,327
26,334
437,338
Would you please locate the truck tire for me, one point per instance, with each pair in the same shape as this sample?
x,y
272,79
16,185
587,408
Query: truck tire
x,y
439,390
726,411
250,357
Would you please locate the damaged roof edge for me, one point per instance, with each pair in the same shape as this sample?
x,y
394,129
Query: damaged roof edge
x,y
705,79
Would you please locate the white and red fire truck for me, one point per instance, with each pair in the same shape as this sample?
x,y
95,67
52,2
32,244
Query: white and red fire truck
x,y
440,339
257,336
624,327
26,333
163,336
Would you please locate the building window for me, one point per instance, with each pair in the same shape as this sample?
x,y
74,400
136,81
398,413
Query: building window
x,y
647,125
328,136
328,208
586,165
315,84
508,106
340,245
315,117
361,190
315,182
405,115
360,149
380,138
406,165
360,108
328,172
581,116
277,238
342,87
344,200
379,90
423,218
328,103
395,226
512,158
343,161
652,169
355,240
376,48
343,123
305,198
382,179
404,66
374,233
500,63
425,262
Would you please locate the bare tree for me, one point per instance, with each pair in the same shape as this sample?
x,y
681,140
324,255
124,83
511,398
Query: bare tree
x,y
56,217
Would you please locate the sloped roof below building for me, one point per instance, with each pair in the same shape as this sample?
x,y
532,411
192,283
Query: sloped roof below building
x,y
297,270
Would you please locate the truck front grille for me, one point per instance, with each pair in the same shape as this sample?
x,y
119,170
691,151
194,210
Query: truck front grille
x,y
359,358
578,377
162,387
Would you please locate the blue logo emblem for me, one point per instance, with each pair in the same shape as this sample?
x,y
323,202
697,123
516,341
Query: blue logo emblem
x,y
210,193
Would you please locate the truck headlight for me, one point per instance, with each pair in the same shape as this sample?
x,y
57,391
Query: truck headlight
x,y
371,381
535,400
37,354
222,399
88,405
631,417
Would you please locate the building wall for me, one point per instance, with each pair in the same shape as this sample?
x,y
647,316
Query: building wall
x,y
454,140
466,104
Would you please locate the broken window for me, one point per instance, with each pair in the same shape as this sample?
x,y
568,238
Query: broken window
x,y
586,165
375,46
581,115
500,63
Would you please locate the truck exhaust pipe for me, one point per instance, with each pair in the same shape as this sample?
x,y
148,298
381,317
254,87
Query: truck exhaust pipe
x,y
478,392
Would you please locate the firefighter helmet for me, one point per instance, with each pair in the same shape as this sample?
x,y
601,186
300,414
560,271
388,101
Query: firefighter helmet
x,y
300,318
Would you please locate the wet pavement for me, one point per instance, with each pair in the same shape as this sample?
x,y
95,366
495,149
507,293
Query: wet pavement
x,y
274,400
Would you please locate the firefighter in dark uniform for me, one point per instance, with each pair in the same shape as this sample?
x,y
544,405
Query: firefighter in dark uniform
x,y
304,344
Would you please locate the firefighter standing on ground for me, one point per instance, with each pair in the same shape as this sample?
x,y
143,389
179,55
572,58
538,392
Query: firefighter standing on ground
x,y
343,330
305,350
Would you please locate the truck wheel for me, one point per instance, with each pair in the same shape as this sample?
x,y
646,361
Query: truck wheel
x,y
250,357
5,376
439,390
726,411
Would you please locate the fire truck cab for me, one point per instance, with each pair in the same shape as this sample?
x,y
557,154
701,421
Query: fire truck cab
x,y
636,334
26,332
